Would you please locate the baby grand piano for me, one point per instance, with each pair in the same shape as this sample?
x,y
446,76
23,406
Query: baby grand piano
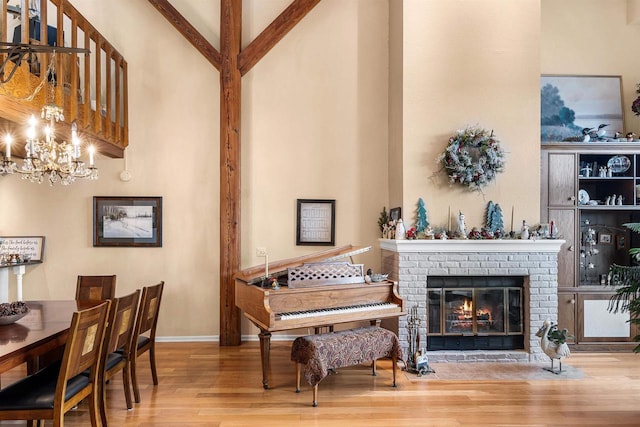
x,y
314,302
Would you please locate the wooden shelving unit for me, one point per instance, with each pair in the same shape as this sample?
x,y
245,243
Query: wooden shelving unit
x,y
588,207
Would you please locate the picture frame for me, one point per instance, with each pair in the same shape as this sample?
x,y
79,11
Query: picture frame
x,y
30,248
605,238
571,103
127,221
315,222
395,213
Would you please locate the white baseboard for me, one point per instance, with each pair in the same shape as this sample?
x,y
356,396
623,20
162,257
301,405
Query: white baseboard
x,y
216,338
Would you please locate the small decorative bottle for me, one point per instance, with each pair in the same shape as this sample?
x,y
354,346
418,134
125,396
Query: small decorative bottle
x,y
400,231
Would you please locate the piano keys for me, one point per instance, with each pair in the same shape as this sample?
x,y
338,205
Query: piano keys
x,y
273,310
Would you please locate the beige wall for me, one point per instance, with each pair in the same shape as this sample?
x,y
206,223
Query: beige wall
x,y
314,126
319,121
608,48
471,63
173,116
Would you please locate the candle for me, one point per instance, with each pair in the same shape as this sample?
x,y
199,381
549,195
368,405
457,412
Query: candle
x,y
76,142
266,266
449,220
91,150
7,141
512,209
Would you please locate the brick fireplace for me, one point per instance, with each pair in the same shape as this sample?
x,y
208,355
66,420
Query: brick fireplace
x,y
411,262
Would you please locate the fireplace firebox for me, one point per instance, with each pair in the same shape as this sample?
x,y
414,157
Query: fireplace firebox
x,y
475,313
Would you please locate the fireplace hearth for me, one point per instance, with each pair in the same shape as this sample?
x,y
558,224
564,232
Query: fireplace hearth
x,y
475,313
534,263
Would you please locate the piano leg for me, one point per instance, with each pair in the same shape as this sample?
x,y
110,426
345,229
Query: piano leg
x,y
265,347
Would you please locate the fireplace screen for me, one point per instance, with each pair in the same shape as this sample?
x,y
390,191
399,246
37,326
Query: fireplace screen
x,y
475,307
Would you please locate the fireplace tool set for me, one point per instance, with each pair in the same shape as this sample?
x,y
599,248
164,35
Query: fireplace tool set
x,y
417,361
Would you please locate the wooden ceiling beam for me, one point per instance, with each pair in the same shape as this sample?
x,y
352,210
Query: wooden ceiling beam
x,y
271,35
230,125
233,63
192,35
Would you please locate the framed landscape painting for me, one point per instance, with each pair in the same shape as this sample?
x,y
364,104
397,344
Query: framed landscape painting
x,y
571,106
127,221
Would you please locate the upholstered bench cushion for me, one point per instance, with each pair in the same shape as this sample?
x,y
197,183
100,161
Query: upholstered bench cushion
x,y
320,353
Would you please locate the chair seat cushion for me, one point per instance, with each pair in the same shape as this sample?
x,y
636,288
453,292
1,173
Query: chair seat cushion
x,y
143,340
113,359
37,391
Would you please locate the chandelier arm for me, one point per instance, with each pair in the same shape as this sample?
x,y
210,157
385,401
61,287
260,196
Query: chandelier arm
x,y
4,80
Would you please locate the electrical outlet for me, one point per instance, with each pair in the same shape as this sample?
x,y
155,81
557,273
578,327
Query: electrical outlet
x,y
261,251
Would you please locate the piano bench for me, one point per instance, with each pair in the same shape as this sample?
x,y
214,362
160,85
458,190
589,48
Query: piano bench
x,y
324,352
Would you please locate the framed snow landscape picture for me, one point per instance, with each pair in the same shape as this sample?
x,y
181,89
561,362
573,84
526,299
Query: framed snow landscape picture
x,y
127,221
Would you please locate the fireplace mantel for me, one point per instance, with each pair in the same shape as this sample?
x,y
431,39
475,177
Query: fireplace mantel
x,y
411,262
475,246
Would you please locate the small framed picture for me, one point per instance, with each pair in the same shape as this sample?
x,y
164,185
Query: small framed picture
x,y
127,221
605,238
621,242
30,248
316,220
395,213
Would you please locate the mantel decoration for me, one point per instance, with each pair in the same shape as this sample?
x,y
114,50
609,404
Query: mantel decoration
x,y
473,158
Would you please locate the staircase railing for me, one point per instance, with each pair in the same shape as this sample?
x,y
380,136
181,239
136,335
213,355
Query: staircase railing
x,y
94,86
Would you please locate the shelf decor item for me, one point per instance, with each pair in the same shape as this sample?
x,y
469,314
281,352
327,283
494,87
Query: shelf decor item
x,y
619,164
473,157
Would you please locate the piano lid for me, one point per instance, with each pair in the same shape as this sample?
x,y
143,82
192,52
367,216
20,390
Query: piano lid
x,y
279,268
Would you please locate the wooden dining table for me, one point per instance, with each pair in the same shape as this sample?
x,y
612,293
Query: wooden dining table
x,y
43,330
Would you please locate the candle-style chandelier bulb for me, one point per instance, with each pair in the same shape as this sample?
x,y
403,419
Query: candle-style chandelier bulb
x,y
45,157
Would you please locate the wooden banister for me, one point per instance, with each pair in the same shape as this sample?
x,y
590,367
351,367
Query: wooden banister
x,y
93,92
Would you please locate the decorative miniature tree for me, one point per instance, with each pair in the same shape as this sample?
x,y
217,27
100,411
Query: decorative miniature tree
x,y
422,223
491,207
494,221
497,222
383,219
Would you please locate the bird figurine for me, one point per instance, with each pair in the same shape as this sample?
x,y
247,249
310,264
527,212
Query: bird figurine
x,y
585,137
553,343
597,134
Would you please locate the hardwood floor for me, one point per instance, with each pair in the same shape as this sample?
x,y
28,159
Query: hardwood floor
x,y
202,384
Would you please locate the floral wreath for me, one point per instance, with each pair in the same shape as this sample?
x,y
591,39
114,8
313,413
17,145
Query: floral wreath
x,y
472,158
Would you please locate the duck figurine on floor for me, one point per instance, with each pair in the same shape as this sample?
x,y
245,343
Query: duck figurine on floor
x,y
554,343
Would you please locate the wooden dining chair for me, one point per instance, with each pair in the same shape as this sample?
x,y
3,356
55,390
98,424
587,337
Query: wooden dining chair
x,y
117,349
53,391
145,333
95,288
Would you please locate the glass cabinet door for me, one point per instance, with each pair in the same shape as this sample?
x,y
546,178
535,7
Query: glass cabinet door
x,y
490,310
435,324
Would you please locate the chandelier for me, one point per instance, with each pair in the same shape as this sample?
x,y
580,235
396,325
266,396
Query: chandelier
x,y
45,157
